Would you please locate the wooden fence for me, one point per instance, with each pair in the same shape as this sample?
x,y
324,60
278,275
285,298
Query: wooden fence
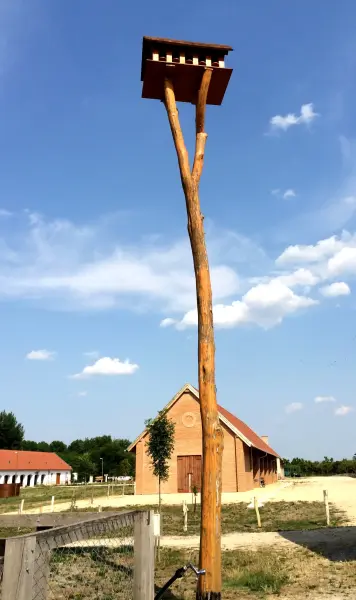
x,y
111,550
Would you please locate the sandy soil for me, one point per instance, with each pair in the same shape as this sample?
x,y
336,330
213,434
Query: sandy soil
x,y
342,493
336,544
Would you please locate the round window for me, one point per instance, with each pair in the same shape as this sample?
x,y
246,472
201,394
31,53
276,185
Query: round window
x,y
189,419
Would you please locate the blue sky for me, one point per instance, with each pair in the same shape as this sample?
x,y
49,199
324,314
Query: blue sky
x,y
97,307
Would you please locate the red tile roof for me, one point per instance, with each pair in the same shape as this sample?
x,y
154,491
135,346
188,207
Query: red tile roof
x,y
24,460
246,431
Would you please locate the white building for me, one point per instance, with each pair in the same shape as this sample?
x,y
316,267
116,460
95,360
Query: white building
x,y
33,468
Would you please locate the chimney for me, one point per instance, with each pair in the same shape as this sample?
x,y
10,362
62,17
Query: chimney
x,y
265,439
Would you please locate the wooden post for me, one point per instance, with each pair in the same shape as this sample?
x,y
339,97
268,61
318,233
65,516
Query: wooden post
x,y
144,556
255,501
21,506
327,509
185,516
92,496
19,566
52,504
123,489
108,490
210,531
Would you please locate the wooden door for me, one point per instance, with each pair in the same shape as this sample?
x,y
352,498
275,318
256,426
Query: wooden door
x,y
58,478
189,473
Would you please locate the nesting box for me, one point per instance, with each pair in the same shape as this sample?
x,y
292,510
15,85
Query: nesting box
x,y
184,63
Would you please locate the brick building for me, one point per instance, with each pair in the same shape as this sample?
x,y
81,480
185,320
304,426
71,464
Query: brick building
x,y
246,458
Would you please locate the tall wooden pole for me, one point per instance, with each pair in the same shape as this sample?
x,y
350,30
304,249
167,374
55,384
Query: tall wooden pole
x,y
209,586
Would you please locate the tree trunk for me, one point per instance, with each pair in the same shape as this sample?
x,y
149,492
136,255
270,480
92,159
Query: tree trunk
x,y
160,520
209,585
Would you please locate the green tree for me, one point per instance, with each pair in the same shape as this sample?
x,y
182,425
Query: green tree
x,y
124,468
58,446
29,445
160,446
43,447
11,431
84,466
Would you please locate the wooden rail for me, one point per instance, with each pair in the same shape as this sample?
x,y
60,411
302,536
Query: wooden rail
x,y
49,519
28,555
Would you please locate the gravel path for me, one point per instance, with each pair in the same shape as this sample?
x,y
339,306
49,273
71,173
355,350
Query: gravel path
x,y
342,493
338,543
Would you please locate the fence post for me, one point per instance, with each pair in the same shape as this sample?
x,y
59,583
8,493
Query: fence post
x,y
255,502
21,506
52,504
327,510
19,566
185,516
144,556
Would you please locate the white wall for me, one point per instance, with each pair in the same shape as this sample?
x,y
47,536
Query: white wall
x,y
32,478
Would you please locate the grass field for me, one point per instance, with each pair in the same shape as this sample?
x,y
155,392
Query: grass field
x,y
41,495
290,574
275,516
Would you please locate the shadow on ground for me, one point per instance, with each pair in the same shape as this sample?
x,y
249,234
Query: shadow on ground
x,y
335,543
168,594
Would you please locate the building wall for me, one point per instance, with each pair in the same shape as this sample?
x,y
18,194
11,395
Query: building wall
x,y
32,478
244,466
241,464
188,441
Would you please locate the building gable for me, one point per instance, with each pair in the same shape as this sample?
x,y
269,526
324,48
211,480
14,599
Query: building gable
x,y
232,423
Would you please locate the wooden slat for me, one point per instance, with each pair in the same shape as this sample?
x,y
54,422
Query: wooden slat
x,y
49,519
19,566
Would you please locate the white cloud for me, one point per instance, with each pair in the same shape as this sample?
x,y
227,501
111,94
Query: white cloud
x,y
342,411
5,213
327,259
40,355
343,262
265,304
107,366
300,277
289,194
339,288
320,399
69,267
293,407
92,354
315,253
82,394
167,322
307,115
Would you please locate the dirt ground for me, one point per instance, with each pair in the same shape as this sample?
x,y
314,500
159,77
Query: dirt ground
x,y
342,493
337,544
317,564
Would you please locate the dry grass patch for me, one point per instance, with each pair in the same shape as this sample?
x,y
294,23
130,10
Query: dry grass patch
x,y
275,516
292,573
